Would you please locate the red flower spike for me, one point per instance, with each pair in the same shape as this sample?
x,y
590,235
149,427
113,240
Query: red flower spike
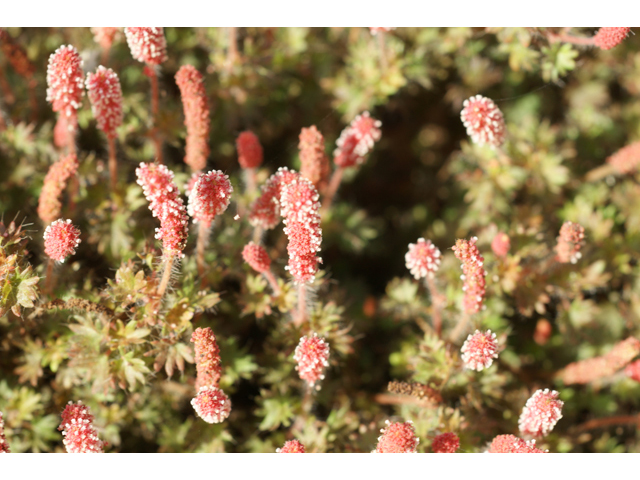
x,y
633,371
541,413
78,431
445,443
4,446
105,94
301,212
291,446
357,140
65,81
207,358
165,203
265,211
609,37
250,153
484,121
104,36
212,405
49,203
312,356
196,116
147,44
626,160
501,244
473,274
257,257
397,438
511,444
479,350
314,164
61,239
210,196
422,259
569,243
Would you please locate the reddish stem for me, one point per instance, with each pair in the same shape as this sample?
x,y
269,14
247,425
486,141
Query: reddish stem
x,y
113,164
203,233
155,106
332,189
302,306
436,306
272,281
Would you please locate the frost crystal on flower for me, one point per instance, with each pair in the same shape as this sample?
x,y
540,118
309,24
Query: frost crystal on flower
x,y
49,203
569,243
609,37
292,446
312,356
61,239
207,359
422,259
314,163
627,159
210,196
479,350
77,429
65,81
4,446
301,212
249,150
165,203
541,413
196,116
211,404
473,274
512,444
257,257
357,140
445,443
265,211
147,44
105,95
484,121
397,438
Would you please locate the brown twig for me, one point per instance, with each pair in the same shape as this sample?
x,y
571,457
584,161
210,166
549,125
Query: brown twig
x,y
609,421
77,304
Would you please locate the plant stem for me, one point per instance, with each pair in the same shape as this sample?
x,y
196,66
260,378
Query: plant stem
x,y
563,37
334,184
250,178
48,281
436,305
74,184
113,165
257,234
272,281
166,275
155,105
302,306
203,234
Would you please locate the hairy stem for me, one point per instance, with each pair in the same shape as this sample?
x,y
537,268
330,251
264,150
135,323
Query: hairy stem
x,y
302,306
332,189
565,38
250,177
155,106
166,275
113,165
203,234
48,281
272,281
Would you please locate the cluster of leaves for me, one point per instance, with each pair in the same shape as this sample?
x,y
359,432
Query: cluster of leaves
x,y
104,337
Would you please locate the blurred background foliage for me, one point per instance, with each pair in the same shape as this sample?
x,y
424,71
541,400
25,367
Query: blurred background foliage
x,y
566,108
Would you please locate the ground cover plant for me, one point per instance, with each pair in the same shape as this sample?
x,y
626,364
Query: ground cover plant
x,y
319,240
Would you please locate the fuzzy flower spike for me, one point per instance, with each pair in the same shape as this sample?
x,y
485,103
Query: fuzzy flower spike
x,y
78,431
398,438
512,444
196,116
60,240
258,259
479,350
291,446
55,182
484,121
422,259
570,242
314,163
541,413
609,37
4,446
312,356
473,274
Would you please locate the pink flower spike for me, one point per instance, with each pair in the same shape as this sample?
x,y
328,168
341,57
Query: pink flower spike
x,y
265,211
314,163
104,36
49,203
445,443
398,438
484,121
626,160
312,356
4,446
65,81
207,359
61,239
609,37
301,212
473,274
512,444
78,431
422,259
105,95
211,404
250,153
357,140
257,257
501,244
633,371
569,243
147,44
196,116
210,196
541,413
291,446
479,350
